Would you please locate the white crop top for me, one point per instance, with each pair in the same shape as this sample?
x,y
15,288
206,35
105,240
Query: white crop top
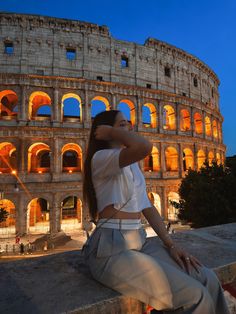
x,y
115,185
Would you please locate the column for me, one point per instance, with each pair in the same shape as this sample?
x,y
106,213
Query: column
x,y
203,125
160,117
177,119
87,108
56,106
180,160
139,115
23,106
162,159
55,160
113,105
55,216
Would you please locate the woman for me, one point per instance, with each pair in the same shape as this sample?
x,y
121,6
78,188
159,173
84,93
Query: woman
x,y
157,272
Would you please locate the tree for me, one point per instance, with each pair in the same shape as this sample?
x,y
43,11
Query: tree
x,y
207,197
3,214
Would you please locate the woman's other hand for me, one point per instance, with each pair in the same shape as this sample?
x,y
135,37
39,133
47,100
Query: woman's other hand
x,y
185,260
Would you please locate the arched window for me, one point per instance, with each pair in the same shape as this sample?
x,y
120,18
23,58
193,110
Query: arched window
x,y
8,104
185,120
187,159
71,107
207,126
169,119
215,129
127,107
149,115
201,157
171,159
198,123
39,106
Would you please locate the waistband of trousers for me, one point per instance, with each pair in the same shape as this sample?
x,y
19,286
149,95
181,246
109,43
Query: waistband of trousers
x,y
122,224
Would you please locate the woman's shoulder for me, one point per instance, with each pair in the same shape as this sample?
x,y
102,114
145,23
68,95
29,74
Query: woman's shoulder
x,y
105,152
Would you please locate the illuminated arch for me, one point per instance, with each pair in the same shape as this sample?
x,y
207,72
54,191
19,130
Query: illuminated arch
x,y
211,158
128,112
151,162
71,158
155,200
171,159
208,126
8,104
39,158
71,213
99,104
38,216
218,159
215,129
201,157
198,125
188,159
71,107
149,110
37,101
9,224
172,211
185,120
169,119
8,157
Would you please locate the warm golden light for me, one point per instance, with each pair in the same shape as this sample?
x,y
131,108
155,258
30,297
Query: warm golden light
x,y
13,171
70,171
40,171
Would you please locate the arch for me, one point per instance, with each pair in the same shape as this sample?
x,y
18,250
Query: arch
x,y
39,106
127,107
149,115
171,159
198,125
71,213
9,225
99,104
152,162
185,120
208,130
218,159
211,158
201,157
71,107
155,200
39,158
188,162
38,216
169,119
71,158
172,212
8,157
214,129
8,104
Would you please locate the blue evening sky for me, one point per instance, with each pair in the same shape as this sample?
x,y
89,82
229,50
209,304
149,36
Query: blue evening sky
x,y
204,28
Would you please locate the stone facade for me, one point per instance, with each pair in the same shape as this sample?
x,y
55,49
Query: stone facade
x,y
46,60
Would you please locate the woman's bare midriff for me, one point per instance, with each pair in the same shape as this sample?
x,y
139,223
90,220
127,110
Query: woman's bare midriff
x,y
109,211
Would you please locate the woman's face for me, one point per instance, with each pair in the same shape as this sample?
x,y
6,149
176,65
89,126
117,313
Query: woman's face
x,y
121,122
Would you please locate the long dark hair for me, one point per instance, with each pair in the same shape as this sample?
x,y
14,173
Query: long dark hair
x,y
94,145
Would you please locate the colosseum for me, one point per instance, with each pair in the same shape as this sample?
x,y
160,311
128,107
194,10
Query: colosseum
x,y
56,74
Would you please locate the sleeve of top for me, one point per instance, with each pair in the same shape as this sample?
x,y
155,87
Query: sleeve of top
x,y
105,162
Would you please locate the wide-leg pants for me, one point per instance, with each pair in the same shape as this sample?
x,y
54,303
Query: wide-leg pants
x,y
126,262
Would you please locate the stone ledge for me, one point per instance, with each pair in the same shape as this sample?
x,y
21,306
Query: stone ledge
x,y
61,283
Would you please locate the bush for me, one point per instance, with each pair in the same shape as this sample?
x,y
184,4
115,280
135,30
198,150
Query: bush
x,y
208,196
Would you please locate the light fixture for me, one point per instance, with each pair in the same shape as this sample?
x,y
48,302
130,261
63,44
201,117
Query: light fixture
x,y
13,172
40,171
70,171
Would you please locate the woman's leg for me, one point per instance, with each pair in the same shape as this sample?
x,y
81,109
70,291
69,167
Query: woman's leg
x,y
206,276
153,282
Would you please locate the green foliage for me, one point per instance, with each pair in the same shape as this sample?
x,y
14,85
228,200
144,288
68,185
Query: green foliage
x,y
208,196
3,214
